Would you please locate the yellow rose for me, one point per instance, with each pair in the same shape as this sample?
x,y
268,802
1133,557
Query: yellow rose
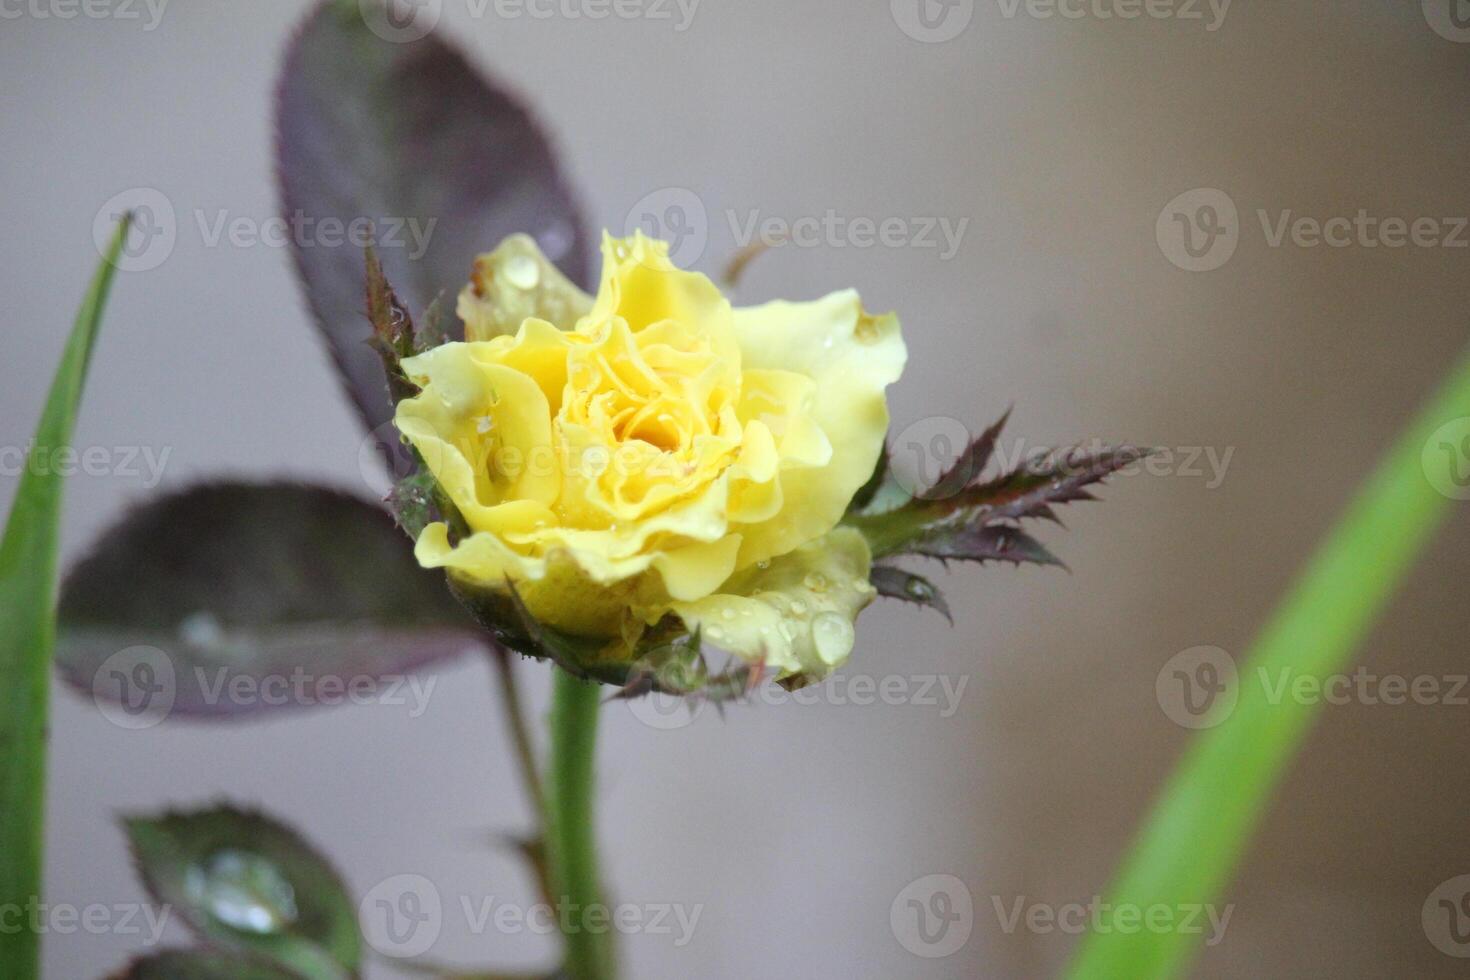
x,y
653,451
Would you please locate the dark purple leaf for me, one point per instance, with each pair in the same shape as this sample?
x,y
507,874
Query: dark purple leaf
x,y
444,164
994,542
231,599
966,517
896,583
970,464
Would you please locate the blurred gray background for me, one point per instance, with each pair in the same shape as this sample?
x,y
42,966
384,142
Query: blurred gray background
x,y
796,828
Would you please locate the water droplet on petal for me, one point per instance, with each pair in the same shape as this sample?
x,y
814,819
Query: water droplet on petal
x,y
833,636
244,891
763,564
728,614
798,607
816,581
522,272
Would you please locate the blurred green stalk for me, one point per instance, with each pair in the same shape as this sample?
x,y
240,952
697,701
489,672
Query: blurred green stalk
x,y
27,634
1200,826
571,829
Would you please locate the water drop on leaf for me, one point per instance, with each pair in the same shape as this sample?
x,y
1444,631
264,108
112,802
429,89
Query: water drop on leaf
x,y
244,891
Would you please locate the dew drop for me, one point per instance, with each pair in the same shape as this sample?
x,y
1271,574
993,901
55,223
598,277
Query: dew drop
x,y
484,424
919,589
763,564
728,614
816,581
833,637
522,272
244,891
798,607
201,629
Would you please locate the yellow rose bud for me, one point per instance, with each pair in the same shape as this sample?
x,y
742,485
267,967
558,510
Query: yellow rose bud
x,y
653,451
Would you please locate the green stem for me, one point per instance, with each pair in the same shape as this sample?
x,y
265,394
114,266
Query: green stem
x,y
571,845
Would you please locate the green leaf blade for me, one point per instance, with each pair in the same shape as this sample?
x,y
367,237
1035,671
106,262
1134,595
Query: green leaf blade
x,y
246,883
28,559
1202,822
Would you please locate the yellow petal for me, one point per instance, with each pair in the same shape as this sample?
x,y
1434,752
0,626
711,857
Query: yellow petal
x,y
516,282
796,615
852,357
